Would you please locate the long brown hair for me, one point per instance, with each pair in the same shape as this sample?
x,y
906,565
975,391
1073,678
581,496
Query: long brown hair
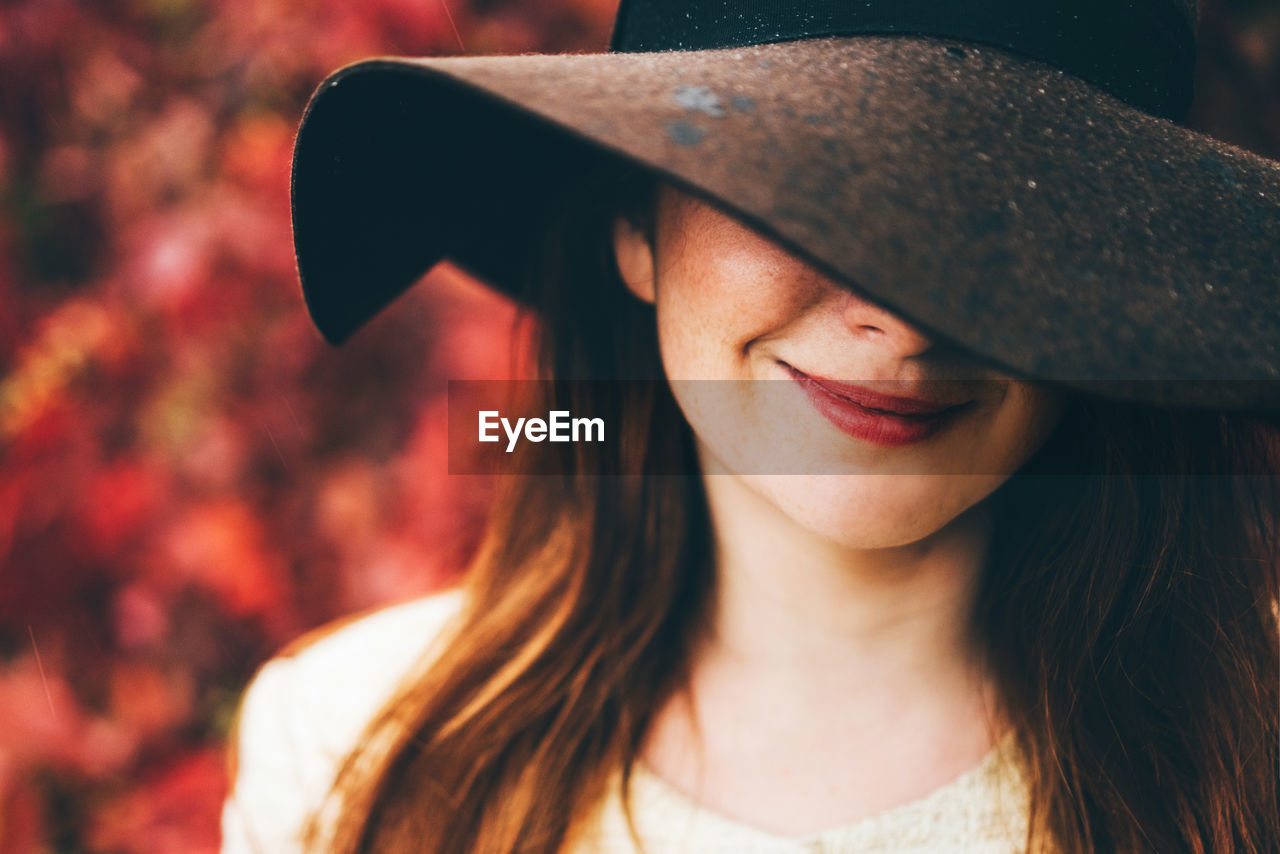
x,y
1129,615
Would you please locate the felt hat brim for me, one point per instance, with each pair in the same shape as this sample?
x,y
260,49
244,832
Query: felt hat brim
x,y
997,202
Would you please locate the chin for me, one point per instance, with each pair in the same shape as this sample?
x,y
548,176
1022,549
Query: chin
x,y
874,511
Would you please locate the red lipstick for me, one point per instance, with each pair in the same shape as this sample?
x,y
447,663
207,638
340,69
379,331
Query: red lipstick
x,y
881,419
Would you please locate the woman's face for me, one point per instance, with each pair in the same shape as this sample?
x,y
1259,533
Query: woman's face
x,y
762,350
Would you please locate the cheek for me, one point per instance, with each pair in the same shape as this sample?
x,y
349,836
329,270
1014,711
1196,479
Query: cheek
x,y
710,313
690,336
1027,418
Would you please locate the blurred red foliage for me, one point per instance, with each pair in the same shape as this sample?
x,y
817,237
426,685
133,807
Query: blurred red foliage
x,y
190,476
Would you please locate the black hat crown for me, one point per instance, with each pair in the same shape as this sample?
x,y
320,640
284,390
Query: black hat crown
x,y
1141,51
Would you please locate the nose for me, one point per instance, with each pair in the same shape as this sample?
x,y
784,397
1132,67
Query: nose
x,y
889,330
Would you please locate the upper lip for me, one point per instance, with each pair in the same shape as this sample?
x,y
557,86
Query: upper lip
x,y
868,399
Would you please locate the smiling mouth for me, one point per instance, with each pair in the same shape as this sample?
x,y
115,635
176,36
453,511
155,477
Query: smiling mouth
x,y
897,406
885,420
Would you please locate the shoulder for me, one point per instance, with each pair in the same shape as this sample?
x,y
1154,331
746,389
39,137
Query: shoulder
x,y
352,665
306,709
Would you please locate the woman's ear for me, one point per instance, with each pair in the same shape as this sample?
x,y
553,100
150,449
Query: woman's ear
x,y
634,255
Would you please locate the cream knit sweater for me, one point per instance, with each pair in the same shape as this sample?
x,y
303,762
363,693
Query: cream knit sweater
x,y
304,712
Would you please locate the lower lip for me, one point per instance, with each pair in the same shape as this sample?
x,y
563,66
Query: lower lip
x,y
879,428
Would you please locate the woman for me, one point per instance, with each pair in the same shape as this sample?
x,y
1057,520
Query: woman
x,y
1012,593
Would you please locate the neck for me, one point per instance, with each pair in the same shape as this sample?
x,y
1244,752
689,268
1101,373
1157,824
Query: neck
x,y
849,669
788,598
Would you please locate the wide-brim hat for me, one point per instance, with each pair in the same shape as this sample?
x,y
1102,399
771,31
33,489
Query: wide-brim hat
x,y
1013,180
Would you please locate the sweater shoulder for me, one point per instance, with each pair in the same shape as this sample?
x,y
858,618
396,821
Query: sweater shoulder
x,y
307,709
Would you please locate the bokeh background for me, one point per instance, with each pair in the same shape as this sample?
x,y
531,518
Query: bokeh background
x,y
189,477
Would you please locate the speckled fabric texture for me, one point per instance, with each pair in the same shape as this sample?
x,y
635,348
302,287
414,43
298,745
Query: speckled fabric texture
x,y
997,202
1141,51
983,811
